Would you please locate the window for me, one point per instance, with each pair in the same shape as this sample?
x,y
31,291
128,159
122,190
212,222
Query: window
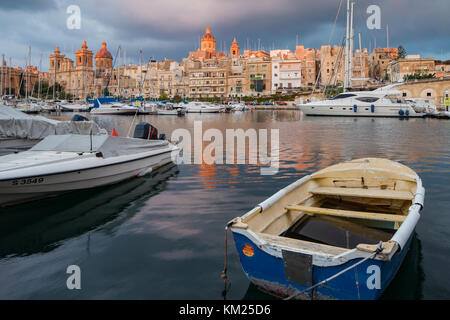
x,y
404,94
343,96
428,94
368,99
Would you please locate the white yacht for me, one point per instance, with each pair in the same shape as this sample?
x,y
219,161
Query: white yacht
x,y
20,131
115,108
170,109
148,108
201,107
66,163
361,104
72,107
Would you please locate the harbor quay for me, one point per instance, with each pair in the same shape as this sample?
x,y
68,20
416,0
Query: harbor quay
x,y
212,75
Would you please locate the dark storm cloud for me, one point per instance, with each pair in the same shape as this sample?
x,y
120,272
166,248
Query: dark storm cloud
x,y
27,5
172,28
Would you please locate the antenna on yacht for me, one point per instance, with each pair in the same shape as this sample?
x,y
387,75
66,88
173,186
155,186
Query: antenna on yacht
x,y
90,138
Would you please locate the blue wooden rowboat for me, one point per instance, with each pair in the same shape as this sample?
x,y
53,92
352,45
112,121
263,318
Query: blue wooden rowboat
x,y
340,233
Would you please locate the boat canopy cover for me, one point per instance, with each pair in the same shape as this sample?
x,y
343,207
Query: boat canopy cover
x,y
18,125
109,146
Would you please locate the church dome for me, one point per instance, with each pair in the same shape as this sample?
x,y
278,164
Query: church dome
x,y
103,52
208,35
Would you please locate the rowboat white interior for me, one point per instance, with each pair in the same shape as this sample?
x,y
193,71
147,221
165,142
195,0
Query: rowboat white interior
x,y
351,205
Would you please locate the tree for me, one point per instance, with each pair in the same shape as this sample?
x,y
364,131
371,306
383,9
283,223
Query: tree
x,y
163,97
401,52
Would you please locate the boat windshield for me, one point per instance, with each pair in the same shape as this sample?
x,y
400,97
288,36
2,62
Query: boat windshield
x,y
368,99
343,96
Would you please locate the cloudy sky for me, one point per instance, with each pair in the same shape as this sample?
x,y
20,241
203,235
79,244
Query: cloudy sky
x,y
172,28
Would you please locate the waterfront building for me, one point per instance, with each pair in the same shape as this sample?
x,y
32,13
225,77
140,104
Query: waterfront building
x,y
208,81
259,75
255,54
436,89
15,80
286,74
310,64
234,49
237,78
77,79
442,68
379,60
207,48
103,70
361,69
410,65
332,65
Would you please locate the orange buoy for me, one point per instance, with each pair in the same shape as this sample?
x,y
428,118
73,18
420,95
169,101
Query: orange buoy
x,y
114,133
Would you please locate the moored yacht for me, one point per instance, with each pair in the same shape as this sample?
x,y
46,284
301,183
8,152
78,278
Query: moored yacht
x,y
115,108
361,104
201,107
170,109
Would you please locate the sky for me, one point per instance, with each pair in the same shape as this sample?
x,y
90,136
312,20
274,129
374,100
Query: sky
x,y
172,28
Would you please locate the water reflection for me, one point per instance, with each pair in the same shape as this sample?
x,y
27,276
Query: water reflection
x,y
182,227
41,226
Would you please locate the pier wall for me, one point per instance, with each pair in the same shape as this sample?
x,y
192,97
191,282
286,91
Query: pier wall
x,y
435,88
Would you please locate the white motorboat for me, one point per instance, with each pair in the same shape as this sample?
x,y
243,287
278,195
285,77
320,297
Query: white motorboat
x,y
201,107
148,108
20,131
30,107
115,108
74,107
169,109
238,107
361,104
66,163
48,107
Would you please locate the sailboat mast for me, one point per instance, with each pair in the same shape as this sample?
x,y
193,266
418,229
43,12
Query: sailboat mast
x,y
351,46
27,76
361,61
387,36
39,75
347,42
9,77
142,80
118,77
54,76
1,81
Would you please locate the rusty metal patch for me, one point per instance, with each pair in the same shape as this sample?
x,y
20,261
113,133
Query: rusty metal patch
x,y
298,267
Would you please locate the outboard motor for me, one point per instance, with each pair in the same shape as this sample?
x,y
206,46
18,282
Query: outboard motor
x,y
145,130
78,117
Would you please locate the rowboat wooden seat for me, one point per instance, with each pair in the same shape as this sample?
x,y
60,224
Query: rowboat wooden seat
x,y
348,214
364,193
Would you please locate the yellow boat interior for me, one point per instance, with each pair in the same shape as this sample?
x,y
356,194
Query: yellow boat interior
x,y
350,205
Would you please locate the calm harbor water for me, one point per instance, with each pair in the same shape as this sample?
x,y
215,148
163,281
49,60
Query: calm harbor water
x,y
162,236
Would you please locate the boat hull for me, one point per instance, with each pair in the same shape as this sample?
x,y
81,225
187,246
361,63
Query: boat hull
x,y
112,111
268,273
25,189
361,111
203,110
